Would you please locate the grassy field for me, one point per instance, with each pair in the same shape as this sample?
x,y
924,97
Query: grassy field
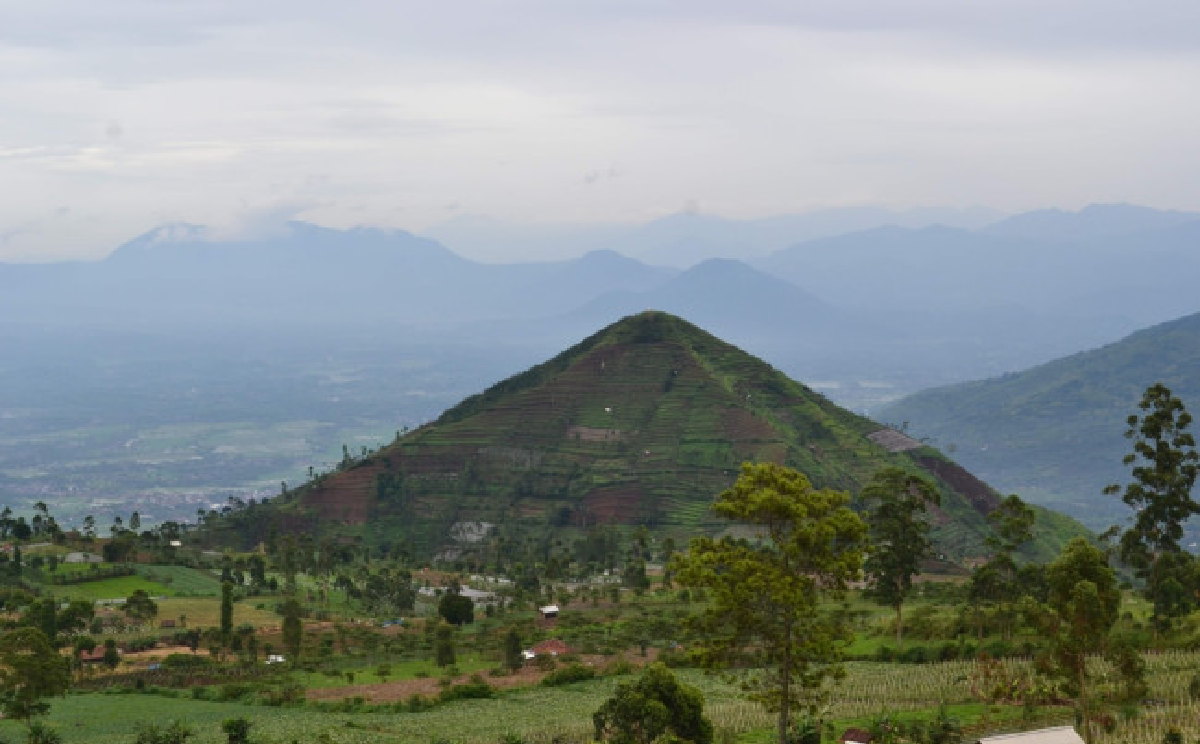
x,y
537,713
204,612
184,581
115,588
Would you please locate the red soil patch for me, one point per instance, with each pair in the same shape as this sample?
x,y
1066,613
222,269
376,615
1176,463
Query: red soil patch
x,y
979,494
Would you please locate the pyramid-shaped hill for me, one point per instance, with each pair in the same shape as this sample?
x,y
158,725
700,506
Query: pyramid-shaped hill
x,y
641,423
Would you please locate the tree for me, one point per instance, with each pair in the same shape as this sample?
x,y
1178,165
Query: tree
x,y
999,581
112,656
456,608
897,502
656,705
30,669
226,611
1084,602
514,657
766,595
139,606
293,633
1165,466
443,648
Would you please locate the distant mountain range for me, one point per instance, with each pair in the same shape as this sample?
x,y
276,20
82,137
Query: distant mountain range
x,y
1055,433
917,305
640,423
686,238
863,305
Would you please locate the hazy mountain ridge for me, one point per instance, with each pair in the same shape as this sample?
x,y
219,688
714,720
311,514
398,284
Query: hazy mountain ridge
x,y
1055,433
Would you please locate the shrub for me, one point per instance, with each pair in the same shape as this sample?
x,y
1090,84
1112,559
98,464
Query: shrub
x,y
173,733
237,730
914,655
568,674
179,662
475,689
619,667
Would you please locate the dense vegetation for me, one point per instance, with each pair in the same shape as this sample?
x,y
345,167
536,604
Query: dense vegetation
x,y
1054,433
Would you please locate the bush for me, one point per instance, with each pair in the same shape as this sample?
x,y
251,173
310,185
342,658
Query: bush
x,y
229,692
475,689
180,662
914,655
173,733
1000,649
237,730
618,668
39,733
568,674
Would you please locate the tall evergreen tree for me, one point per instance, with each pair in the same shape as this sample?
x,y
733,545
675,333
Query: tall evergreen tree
x,y
897,502
768,596
1165,465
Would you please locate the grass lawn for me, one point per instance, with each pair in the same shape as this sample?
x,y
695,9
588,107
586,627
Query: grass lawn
x,y
116,588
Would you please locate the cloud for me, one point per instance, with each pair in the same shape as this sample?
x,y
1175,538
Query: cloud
x,y
595,176
139,112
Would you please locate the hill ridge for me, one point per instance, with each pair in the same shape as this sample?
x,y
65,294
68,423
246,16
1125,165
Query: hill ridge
x,y
642,422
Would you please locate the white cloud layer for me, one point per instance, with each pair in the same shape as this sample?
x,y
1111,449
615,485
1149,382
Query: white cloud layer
x,y
121,115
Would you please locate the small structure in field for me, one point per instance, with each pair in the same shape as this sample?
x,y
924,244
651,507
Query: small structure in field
x,y
549,612
856,736
1056,735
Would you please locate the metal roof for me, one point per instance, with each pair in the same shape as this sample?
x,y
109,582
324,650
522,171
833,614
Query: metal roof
x,y
1057,735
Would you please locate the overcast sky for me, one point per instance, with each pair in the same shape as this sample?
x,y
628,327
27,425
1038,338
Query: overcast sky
x,y
118,116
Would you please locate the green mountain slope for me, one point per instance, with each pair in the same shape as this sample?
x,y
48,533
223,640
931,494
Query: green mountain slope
x,y
1055,433
641,423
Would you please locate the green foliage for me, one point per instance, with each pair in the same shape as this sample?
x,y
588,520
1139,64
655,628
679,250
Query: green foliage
x,y
473,690
226,610
767,595
31,669
42,734
1084,602
444,652
653,706
514,657
456,609
173,733
566,675
293,632
1165,466
237,730
139,606
897,503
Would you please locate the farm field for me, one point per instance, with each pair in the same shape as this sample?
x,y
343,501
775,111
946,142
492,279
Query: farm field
x,y
541,714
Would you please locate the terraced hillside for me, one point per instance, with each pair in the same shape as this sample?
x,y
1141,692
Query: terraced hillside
x,y
641,423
